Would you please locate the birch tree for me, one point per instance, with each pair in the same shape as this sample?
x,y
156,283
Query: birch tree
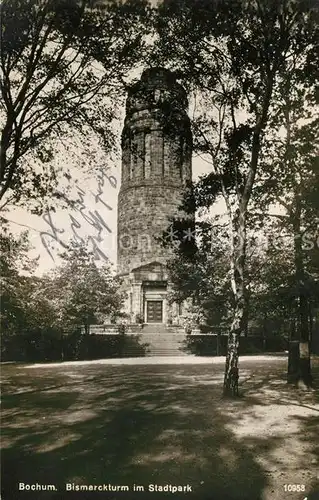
x,y
232,55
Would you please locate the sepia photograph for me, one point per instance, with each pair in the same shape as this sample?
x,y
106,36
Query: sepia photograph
x,y
159,210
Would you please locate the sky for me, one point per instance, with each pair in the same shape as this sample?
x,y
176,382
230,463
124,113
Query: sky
x,y
95,218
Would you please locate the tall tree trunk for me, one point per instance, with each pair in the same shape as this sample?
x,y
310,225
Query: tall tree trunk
x,y
238,240
240,316
62,346
299,367
246,311
231,368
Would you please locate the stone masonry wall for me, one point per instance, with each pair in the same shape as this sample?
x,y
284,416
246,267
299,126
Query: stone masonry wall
x,y
143,215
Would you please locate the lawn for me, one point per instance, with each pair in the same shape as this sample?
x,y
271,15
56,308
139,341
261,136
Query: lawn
x,y
164,423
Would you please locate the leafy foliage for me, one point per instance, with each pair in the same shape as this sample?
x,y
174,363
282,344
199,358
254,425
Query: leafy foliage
x,y
36,312
24,310
81,292
203,278
64,66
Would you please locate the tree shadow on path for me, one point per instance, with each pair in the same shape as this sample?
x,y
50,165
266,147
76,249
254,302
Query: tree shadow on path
x,y
130,426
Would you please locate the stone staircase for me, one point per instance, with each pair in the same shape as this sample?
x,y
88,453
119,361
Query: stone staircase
x,y
162,340
148,340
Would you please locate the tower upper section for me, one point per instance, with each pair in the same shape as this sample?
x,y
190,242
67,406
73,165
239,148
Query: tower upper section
x,y
156,167
156,138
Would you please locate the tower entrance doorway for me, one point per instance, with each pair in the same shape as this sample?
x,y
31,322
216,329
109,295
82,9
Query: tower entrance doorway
x,y
154,311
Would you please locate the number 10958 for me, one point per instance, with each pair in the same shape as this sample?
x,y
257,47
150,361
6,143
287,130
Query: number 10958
x,y
294,487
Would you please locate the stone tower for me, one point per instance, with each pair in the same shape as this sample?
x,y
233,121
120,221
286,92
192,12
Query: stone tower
x,y
156,166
